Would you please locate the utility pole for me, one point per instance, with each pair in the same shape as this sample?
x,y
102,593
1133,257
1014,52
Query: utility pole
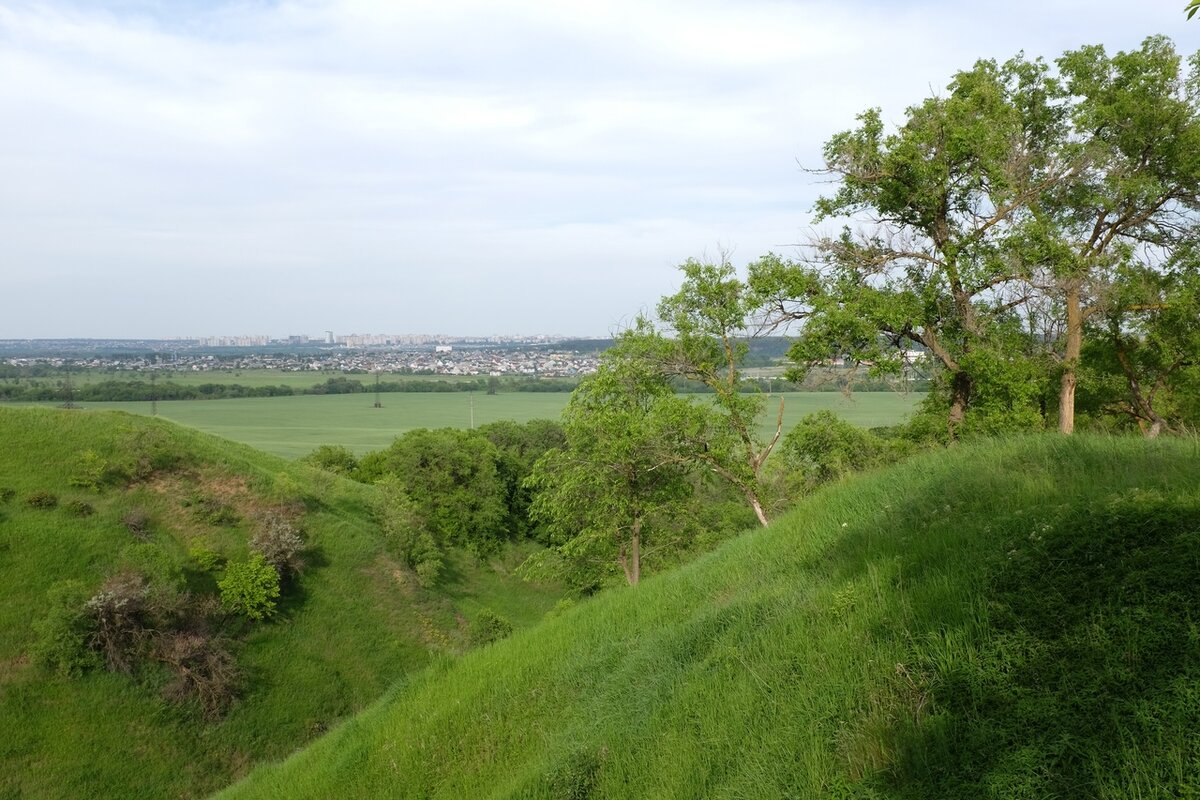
x,y
472,401
153,394
377,403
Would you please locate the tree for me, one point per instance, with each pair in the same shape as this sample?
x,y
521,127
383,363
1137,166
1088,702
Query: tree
x,y
1133,191
451,478
708,321
938,203
1192,8
1146,344
624,470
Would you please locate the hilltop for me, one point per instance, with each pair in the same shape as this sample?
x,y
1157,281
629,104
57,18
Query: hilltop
x,y
90,498
1010,619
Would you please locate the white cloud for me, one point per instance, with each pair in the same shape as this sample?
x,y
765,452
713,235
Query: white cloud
x,y
169,168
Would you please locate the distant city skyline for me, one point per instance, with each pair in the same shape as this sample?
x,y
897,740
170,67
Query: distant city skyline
x,y
168,168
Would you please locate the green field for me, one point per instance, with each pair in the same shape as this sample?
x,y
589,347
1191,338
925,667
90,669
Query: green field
x,y
294,426
303,379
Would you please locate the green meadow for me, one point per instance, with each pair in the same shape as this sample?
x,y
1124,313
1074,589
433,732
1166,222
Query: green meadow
x,y
293,426
1011,619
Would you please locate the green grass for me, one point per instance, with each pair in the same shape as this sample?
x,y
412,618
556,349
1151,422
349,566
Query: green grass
x,y
355,624
1014,619
246,377
293,426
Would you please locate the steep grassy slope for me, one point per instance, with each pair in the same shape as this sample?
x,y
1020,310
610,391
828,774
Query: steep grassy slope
x,y
1009,620
353,625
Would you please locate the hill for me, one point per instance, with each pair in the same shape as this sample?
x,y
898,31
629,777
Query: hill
x,y
1012,619
89,497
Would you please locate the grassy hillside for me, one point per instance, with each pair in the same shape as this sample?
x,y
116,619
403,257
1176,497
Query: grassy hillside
x,y
1008,620
353,624
294,426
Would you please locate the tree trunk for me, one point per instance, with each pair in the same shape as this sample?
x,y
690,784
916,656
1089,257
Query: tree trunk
x,y
630,557
1071,351
960,397
756,504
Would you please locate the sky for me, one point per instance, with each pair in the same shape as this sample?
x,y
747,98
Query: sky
x,y
196,168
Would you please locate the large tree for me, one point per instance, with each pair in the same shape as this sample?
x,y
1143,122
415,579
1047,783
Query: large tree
x,y
935,205
1132,194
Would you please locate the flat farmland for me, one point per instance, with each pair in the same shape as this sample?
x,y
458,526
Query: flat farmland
x,y
294,426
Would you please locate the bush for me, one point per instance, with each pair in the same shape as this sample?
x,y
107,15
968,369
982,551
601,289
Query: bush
x,y
92,472
41,499
823,448
203,668
281,545
405,534
250,588
489,627
138,522
206,558
118,617
7,493
62,637
80,509
332,458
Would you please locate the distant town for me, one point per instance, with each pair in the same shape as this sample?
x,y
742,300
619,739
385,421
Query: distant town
x,y
417,354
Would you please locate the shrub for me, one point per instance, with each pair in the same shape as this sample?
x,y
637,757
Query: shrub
x,y
7,493
205,557
332,458
404,533
62,637
203,668
91,472
823,447
250,588
41,499
149,451
137,520
281,544
118,620
489,627
80,509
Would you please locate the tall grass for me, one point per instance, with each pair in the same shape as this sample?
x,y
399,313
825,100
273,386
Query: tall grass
x,y
352,626
1011,619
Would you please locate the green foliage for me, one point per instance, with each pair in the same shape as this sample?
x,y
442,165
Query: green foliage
x,y
333,458
452,479
63,633
405,533
206,558
7,493
42,498
823,448
250,587
624,473
489,627
92,472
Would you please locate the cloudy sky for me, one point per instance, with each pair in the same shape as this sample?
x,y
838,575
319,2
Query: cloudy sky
x,y
189,168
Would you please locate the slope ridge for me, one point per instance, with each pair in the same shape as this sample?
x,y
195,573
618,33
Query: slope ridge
x,y
1009,619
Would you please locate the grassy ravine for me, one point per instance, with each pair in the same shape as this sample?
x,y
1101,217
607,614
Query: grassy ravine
x,y
1017,619
355,624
